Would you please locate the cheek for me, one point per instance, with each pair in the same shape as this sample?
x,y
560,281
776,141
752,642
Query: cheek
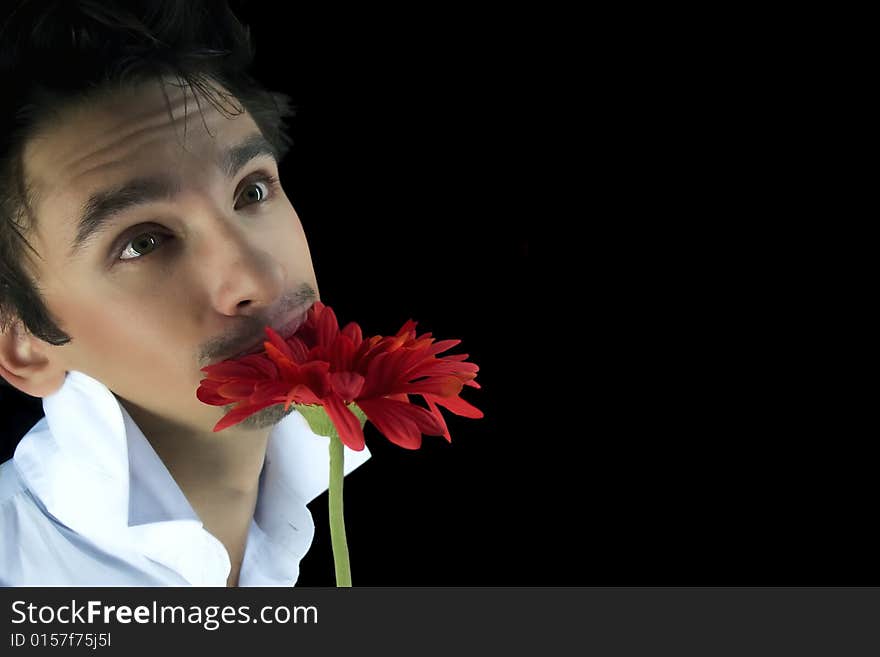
x,y
99,313
115,334
292,250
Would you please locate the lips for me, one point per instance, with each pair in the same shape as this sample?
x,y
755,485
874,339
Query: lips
x,y
289,329
289,326
255,349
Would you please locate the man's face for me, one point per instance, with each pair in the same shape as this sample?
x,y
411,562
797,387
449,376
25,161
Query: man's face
x,y
165,288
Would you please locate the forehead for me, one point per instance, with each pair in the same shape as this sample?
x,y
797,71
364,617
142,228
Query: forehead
x,y
109,139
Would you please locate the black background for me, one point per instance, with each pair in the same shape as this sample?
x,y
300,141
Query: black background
x,y
656,412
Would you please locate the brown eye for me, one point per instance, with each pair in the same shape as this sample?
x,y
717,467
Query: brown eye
x,y
259,190
255,197
141,245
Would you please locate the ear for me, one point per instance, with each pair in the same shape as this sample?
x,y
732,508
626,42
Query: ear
x,y
28,363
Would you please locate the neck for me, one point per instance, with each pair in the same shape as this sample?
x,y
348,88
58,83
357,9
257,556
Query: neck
x,y
219,473
225,464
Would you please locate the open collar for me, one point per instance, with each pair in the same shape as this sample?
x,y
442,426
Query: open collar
x,y
92,468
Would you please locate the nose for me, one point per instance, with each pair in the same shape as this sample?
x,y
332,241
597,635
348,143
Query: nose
x,y
241,276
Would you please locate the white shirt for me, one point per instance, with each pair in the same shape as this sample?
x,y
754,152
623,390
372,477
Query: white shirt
x,y
86,501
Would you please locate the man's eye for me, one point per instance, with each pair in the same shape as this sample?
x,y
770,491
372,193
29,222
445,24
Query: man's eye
x,y
144,243
270,187
141,245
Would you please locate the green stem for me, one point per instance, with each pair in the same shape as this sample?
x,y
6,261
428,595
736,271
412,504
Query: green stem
x,y
337,522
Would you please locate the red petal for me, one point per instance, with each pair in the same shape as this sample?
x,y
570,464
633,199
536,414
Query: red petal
x,y
316,375
302,394
229,369
347,385
442,386
381,375
457,405
261,364
328,327
287,369
342,353
438,416
208,395
407,328
401,422
353,332
269,392
396,428
237,389
443,367
238,414
347,423
442,346
278,342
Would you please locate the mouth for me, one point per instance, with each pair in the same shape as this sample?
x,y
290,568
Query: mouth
x,y
286,327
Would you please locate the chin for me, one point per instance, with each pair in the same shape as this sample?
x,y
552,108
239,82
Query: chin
x,y
268,417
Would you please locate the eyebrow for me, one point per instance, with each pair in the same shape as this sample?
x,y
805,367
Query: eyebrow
x,y
103,207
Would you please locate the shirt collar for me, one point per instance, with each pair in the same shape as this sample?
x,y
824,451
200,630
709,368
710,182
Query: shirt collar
x,y
92,468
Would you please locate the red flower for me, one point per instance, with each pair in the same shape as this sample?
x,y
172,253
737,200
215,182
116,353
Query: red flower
x,y
324,365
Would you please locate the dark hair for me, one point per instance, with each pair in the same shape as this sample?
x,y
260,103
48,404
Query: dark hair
x,y
57,54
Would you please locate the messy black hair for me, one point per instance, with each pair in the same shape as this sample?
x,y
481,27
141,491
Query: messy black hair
x,y
61,54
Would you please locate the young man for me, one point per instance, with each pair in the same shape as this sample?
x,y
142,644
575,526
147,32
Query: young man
x,y
138,245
